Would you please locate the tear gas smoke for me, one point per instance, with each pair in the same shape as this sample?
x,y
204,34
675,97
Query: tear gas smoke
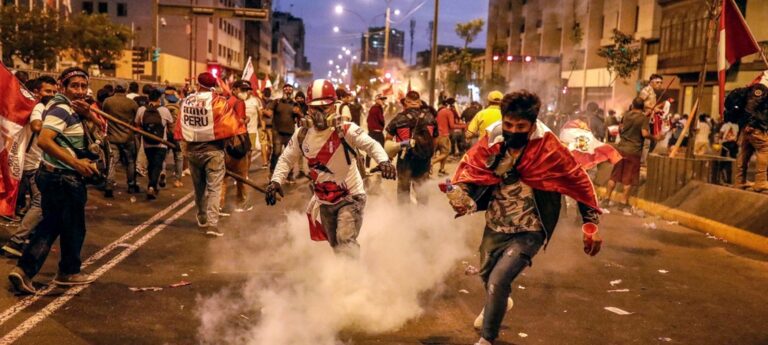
x,y
299,292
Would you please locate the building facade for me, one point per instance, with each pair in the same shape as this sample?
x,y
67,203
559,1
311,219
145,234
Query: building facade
x,y
292,28
374,39
188,45
258,39
671,35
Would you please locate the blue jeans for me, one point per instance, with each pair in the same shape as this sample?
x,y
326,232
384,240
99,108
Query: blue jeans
x,y
34,215
63,202
126,154
207,170
506,261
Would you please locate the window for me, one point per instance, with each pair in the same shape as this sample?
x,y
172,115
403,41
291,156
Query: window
x,y
122,9
210,46
637,17
103,7
602,26
88,7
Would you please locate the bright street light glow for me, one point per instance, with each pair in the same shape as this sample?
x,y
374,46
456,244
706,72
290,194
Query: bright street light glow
x,y
343,48
335,29
339,9
354,57
330,62
340,57
388,75
347,52
397,12
528,58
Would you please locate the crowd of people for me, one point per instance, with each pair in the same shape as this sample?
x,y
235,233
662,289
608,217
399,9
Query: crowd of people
x,y
511,163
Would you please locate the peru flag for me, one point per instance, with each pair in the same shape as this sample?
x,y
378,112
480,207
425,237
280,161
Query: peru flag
x,y
735,42
588,151
16,104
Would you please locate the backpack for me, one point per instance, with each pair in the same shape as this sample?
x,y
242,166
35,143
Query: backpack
x,y
422,135
152,123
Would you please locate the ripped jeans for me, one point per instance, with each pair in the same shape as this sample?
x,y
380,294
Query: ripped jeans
x,y
342,223
504,257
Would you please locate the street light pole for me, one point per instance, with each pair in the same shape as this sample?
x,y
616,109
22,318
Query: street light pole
x,y
386,36
155,35
433,59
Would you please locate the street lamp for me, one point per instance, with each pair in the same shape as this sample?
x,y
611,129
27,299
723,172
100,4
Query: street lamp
x,y
330,62
340,57
336,29
397,12
339,9
347,52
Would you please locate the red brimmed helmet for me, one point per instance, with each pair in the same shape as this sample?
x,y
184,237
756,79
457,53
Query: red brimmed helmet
x,y
321,92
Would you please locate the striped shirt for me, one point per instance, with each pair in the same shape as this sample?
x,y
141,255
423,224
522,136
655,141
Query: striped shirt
x,y
60,118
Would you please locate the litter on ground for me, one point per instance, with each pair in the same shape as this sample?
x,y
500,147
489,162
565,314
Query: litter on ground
x,y
618,311
619,290
615,282
148,288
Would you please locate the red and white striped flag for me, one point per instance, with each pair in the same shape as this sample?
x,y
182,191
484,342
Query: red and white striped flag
x,y
736,41
16,104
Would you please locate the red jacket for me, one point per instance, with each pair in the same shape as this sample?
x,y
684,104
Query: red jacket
x,y
446,122
376,118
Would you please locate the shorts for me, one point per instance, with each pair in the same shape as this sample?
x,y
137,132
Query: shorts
x,y
443,144
627,170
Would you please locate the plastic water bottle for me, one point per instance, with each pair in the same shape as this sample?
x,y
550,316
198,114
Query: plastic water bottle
x,y
459,197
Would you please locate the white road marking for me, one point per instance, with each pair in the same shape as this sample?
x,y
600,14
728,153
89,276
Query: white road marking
x,y
29,300
49,309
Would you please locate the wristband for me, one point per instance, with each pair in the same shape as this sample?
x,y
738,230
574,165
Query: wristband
x,y
589,229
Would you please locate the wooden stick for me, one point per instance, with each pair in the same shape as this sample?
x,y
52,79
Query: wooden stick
x,y
134,128
679,141
246,181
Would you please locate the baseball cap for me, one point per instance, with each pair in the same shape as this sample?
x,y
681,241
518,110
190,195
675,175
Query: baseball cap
x,y
495,96
207,80
242,84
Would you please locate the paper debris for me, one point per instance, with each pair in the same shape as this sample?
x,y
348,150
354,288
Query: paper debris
x,y
615,282
619,290
244,317
640,213
463,291
133,199
673,222
665,339
142,289
180,284
522,335
663,271
521,287
184,275
109,204
651,226
471,270
618,311
613,264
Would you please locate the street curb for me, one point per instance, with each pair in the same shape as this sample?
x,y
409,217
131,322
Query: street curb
x,y
742,237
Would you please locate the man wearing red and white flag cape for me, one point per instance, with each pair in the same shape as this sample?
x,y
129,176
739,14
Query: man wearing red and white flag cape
x,y
585,148
15,108
517,174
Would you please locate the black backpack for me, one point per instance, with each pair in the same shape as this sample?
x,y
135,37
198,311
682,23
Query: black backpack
x,y
423,135
152,123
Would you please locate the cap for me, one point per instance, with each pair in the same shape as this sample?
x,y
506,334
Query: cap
x,y
242,84
207,80
380,96
495,96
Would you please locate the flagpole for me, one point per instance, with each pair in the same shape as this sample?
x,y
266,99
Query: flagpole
x,y
712,14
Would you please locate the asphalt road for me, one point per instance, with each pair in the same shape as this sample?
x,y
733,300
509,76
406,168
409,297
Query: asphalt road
x,y
677,285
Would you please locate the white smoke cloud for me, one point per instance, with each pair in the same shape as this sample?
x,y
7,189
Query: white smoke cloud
x,y
309,295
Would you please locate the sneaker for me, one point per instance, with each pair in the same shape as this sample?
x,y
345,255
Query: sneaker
x,y
73,279
21,283
482,341
202,222
133,189
177,184
151,193
108,193
13,249
186,172
480,318
162,181
244,208
213,232
223,212
141,172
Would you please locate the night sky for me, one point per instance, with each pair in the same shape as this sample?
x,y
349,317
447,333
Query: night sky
x,y
322,44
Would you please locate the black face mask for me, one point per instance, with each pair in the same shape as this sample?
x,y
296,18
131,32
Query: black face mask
x,y
515,140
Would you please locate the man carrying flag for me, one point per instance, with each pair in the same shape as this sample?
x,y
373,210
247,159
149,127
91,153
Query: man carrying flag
x,y
207,120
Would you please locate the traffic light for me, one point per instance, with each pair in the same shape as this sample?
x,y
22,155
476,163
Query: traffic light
x,y
156,55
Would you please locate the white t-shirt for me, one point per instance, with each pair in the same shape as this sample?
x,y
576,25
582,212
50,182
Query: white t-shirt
x,y
165,114
34,155
252,105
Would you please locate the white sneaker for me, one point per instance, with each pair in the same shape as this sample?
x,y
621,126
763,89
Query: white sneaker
x,y
479,319
482,341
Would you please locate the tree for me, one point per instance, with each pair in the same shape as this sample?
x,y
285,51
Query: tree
x,y
623,56
468,31
32,37
98,40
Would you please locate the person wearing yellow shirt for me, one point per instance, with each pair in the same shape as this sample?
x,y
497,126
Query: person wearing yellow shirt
x,y
486,117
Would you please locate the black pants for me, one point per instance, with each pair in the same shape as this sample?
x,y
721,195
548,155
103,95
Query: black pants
x,y
379,137
155,158
63,203
279,142
730,149
125,154
412,171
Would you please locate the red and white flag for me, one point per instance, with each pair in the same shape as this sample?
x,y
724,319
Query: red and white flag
x,y
249,74
585,148
736,41
16,104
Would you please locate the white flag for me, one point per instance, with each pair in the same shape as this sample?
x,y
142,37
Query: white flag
x,y
248,70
